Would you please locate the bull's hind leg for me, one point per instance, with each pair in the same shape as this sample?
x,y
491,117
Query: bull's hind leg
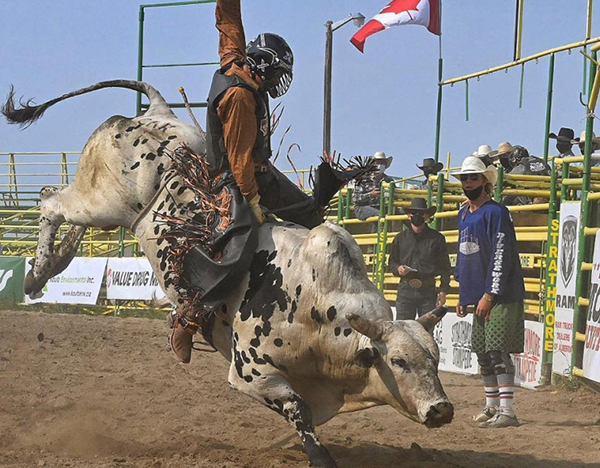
x,y
256,377
48,263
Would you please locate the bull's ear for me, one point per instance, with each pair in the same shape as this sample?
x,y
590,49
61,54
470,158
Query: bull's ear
x,y
367,327
431,318
366,357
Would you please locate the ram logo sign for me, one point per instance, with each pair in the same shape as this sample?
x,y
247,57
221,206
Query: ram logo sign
x,y
568,248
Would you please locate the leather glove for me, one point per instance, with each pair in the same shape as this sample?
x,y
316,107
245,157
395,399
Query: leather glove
x,y
257,209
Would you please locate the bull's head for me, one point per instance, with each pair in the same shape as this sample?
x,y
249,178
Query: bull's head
x,y
404,358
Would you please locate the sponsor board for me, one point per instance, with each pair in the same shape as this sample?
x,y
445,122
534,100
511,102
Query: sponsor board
x,y
568,241
132,279
551,275
79,283
591,349
528,365
453,337
11,279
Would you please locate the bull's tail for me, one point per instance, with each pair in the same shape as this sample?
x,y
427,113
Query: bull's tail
x,y
26,114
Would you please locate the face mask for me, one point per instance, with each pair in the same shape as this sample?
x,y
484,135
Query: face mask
x,y
473,194
417,220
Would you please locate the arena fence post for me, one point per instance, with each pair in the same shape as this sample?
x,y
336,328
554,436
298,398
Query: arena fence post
x,y
439,201
582,279
549,106
548,296
499,182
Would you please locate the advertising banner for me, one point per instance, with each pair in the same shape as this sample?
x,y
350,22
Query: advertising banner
x,y
551,278
131,279
528,365
591,350
78,284
12,274
453,337
568,241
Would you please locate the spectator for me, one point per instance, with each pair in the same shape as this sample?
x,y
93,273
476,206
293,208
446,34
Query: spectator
x,y
489,273
518,161
483,153
417,256
367,190
429,167
595,147
564,141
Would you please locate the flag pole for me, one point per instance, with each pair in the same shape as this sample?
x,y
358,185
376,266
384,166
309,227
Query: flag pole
x,y
438,124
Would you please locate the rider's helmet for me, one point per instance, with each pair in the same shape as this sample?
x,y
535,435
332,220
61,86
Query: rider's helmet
x,y
271,58
516,155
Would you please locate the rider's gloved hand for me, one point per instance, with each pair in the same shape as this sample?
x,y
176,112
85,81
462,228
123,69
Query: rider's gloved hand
x,y
257,209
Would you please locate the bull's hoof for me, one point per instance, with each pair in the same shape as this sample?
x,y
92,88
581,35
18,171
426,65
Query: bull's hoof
x,y
319,456
32,286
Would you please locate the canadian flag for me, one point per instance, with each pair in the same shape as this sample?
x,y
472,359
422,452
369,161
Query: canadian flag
x,y
397,12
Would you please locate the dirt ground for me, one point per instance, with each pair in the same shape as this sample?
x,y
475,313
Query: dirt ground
x,y
81,391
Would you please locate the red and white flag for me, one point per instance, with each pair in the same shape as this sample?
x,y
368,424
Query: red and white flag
x,y
397,12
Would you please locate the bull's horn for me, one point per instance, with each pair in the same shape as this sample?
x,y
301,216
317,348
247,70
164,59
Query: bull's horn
x,y
367,327
431,318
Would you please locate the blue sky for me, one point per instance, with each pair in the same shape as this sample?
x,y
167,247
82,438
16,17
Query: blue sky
x,y
382,100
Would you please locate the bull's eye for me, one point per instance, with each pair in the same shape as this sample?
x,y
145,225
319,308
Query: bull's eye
x,y
399,362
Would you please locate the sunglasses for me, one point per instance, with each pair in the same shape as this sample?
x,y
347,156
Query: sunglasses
x,y
465,177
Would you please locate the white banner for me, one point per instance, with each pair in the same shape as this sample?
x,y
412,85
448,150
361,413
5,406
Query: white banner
x,y
453,337
591,350
568,242
78,284
528,365
131,278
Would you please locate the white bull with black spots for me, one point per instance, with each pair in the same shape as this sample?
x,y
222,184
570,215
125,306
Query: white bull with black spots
x,y
307,333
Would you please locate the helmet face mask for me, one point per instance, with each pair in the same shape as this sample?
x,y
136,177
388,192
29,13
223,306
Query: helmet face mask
x,y
516,155
271,58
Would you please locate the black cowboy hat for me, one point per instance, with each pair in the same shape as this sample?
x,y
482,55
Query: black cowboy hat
x,y
431,166
564,134
564,139
419,205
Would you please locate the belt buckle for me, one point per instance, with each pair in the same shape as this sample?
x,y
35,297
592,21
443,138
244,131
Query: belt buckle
x,y
415,283
261,168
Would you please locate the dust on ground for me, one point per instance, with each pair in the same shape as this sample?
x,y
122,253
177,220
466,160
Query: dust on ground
x,y
97,392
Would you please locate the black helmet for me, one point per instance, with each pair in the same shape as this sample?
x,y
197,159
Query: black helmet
x,y
516,155
271,58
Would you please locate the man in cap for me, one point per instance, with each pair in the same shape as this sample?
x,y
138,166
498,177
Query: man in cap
x,y
419,254
491,282
367,189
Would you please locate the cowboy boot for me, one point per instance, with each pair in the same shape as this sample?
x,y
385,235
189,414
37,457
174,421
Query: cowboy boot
x,y
181,337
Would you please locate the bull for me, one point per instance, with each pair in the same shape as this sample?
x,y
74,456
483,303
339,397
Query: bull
x,y
307,333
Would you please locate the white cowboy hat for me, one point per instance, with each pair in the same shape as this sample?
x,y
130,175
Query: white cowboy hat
x,y
483,150
474,165
380,156
581,139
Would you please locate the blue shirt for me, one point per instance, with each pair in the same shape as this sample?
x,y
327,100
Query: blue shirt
x,y
488,256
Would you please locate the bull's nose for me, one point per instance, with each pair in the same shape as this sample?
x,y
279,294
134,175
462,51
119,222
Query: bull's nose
x,y
439,414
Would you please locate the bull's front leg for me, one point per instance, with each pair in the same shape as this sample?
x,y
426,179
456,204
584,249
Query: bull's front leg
x,y
254,375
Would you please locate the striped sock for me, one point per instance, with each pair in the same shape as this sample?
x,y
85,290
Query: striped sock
x,y
506,384
492,396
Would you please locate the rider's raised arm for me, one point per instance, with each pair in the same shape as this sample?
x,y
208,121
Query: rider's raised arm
x,y
232,41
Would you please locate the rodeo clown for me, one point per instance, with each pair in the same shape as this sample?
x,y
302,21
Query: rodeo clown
x,y
239,146
490,277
